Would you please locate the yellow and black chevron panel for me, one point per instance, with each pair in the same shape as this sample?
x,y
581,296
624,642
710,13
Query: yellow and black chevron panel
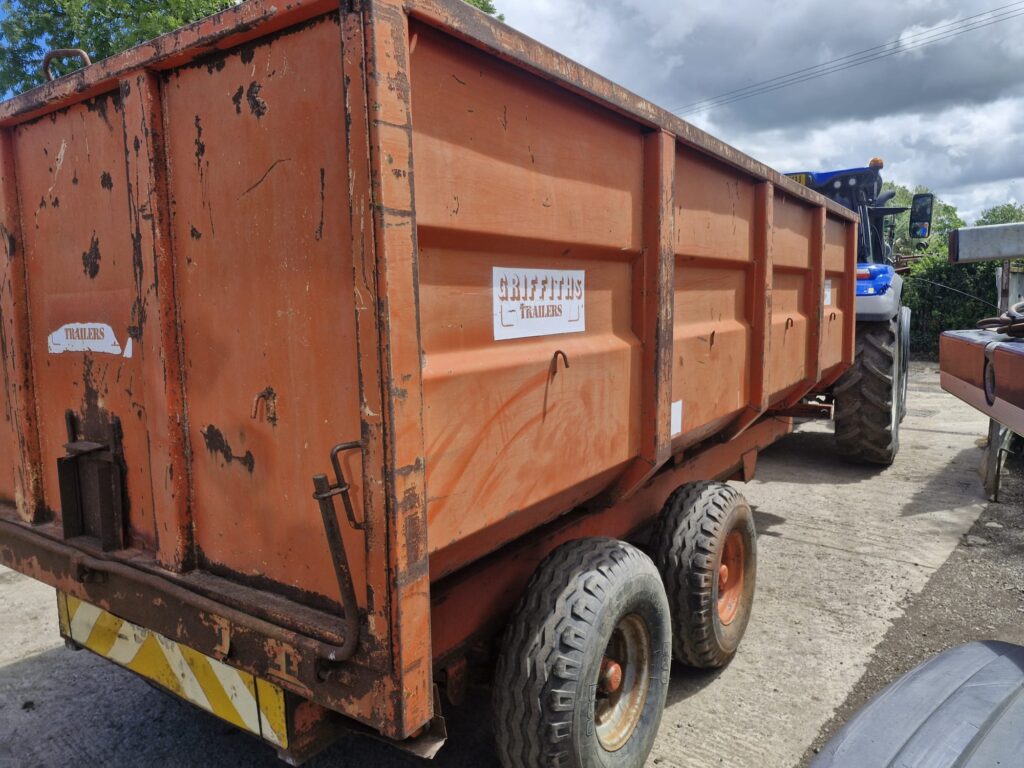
x,y
243,700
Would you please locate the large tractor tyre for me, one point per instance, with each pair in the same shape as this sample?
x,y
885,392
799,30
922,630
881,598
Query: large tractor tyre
x,y
867,397
904,359
706,550
584,665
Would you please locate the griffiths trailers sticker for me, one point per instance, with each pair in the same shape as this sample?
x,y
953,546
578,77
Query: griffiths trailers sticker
x,y
86,337
537,302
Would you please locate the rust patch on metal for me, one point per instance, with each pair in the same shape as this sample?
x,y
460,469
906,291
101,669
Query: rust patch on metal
x,y
91,258
257,106
105,181
217,443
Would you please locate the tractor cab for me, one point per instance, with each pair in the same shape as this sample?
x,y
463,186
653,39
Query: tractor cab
x,y
860,190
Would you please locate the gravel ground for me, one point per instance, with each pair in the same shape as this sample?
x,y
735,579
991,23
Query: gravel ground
x,y
862,573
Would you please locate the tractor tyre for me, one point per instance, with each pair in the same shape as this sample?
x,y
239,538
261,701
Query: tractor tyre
x,y
867,397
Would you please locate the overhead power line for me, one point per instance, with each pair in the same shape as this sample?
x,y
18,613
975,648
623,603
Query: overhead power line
x,y
875,53
882,47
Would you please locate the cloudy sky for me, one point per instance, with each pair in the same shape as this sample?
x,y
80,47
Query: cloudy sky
x,y
948,114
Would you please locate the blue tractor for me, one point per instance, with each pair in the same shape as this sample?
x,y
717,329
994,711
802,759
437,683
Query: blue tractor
x,y
871,398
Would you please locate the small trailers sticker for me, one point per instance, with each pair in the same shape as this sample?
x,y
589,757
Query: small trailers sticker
x,y
828,293
86,337
537,302
677,417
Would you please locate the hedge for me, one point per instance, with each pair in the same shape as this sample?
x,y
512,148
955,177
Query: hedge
x,y
935,292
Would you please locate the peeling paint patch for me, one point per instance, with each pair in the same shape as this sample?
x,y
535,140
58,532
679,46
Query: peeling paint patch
x,y
256,105
91,258
217,443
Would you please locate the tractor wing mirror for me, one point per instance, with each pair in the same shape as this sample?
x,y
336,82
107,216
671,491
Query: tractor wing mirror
x,y
921,215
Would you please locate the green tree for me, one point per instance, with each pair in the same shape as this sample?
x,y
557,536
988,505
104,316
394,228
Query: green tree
x,y
1007,213
29,28
944,220
487,7
946,296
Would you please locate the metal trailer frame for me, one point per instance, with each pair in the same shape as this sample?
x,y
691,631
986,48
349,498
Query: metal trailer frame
x,y
425,619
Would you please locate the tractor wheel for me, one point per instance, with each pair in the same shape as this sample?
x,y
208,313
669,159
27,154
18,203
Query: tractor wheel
x,y
904,360
867,397
584,665
706,550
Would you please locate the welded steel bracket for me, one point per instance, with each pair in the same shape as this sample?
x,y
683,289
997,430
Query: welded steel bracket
x,y
324,492
90,478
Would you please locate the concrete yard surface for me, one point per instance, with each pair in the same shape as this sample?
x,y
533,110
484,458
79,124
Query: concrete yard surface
x,y
847,556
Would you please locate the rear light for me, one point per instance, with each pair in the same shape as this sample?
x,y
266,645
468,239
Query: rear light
x,y
863,274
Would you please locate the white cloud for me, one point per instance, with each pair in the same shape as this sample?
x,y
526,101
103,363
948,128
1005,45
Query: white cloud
x,y
949,115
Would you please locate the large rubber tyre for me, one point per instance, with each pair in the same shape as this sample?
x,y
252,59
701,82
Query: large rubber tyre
x,y
904,330
589,601
867,397
699,530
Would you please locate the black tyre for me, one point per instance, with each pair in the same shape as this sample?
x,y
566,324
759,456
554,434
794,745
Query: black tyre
x,y
904,329
584,665
706,549
867,397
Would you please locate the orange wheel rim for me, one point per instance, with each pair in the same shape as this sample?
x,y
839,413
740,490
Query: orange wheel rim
x,y
731,577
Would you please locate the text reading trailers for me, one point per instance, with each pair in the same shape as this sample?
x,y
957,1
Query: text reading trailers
x,y
322,328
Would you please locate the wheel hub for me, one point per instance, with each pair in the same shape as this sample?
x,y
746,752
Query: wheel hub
x,y
611,676
731,576
623,683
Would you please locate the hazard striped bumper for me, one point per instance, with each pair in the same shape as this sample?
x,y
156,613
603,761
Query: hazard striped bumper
x,y
246,701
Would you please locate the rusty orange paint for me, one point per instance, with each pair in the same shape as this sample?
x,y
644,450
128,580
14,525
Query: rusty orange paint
x,y
291,219
731,573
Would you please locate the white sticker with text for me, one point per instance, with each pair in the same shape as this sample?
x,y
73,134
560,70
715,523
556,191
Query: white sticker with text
x,y
537,302
84,337
828,293
677,417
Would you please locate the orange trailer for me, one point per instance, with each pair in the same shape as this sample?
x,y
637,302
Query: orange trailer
x,y
490,310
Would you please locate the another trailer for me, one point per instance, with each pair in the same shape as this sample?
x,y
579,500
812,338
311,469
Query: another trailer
x,y
345,347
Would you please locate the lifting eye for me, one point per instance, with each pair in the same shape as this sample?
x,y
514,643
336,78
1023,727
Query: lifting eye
x,y
990,382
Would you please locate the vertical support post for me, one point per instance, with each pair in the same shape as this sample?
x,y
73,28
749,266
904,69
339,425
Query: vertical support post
x,y
146,165
386,38
19,383
815,308
1004,286
376,653
850,299
759,309
653,298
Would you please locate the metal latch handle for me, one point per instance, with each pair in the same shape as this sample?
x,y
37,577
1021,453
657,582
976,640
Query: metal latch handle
x,y
324,493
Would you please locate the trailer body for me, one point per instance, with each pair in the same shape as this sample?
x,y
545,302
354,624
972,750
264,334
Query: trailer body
x,y
533,302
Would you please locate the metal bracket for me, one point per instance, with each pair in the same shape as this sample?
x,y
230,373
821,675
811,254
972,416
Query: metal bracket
x,y
91,481
324,493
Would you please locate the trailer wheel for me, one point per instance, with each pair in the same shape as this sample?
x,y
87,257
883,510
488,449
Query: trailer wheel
x,y
584,665
867,397
706,550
